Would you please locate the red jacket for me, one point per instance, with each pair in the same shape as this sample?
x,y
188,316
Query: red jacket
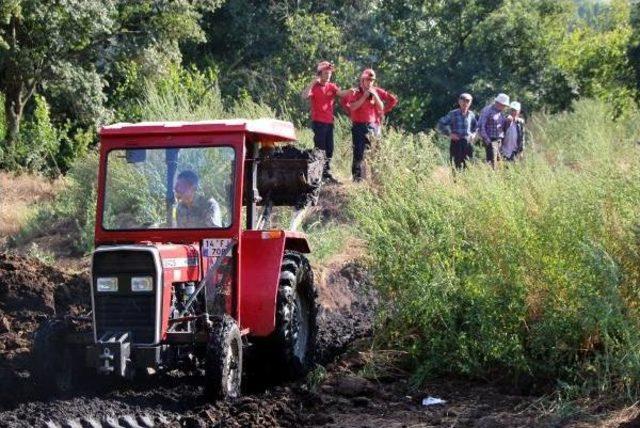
x,y
368,112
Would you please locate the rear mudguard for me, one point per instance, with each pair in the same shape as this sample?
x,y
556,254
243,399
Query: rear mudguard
x,y
260,262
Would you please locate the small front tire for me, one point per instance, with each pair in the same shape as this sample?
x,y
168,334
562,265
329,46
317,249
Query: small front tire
x,y
223,364
54,365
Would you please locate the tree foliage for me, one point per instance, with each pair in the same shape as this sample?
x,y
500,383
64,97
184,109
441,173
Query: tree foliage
x,y
50,42
92,61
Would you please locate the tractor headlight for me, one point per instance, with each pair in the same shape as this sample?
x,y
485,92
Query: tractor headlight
x,y
142,283
107,284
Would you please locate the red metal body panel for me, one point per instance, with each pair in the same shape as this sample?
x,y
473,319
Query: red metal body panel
x,y
260,270
260,267
236,141
180,263
259,130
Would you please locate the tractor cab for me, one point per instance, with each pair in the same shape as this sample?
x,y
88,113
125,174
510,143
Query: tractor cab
x,y
184,269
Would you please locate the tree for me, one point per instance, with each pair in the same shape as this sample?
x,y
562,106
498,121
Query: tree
x,y
436,50
69,49
146,45
46,42
596,56
633,51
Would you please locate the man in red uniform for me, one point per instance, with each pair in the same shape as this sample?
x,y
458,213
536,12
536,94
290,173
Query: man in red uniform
x,y
322,93
367,106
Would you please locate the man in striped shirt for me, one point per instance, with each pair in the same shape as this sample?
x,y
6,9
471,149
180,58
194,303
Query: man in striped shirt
x,y
492,125
460,125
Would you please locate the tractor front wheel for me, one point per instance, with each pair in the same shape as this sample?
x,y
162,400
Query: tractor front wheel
x,y
296,317
223,364
54,366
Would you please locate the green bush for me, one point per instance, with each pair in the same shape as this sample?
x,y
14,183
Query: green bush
x,y
528,273
43,147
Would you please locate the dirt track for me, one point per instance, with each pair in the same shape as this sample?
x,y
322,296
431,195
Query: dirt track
x,y
31,291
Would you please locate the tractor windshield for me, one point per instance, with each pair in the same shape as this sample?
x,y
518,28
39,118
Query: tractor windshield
x,y
186,188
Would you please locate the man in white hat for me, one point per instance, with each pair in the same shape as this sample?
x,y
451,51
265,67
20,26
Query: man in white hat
x,y
492,125
460,126
513,143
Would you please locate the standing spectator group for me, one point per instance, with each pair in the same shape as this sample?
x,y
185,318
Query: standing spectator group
x,y
502,134
367,105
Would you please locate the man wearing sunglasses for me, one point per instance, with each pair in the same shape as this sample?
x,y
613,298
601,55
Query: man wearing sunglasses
x,y
322,92
367,106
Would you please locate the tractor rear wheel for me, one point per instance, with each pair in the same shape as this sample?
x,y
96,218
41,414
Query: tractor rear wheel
x,y
296,316
54,361
223,363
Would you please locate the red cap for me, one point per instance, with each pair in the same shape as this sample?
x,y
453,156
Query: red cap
x,y
324,65
368,73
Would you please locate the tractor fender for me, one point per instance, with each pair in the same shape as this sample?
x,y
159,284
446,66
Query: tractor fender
x,y
260,261
296,241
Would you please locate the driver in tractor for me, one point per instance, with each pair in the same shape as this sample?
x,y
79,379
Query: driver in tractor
x,y
194,210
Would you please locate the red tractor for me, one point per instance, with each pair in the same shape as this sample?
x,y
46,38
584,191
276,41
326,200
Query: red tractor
x,y
186,272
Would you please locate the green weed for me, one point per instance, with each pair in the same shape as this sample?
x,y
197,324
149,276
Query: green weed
x,y
528,274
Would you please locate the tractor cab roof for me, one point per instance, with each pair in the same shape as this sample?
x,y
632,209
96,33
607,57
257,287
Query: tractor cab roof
x,y
258,130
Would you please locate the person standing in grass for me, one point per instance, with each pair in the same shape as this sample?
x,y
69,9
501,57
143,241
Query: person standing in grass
x,y
513,143
491,127
322,93
367,106
460,125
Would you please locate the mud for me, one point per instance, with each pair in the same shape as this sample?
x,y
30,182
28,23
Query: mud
x,y
31,291
288,176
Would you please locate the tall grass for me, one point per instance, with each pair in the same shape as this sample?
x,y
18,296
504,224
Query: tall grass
x,y
528,273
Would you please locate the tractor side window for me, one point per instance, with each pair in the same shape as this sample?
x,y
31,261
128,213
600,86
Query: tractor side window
x,y
186,188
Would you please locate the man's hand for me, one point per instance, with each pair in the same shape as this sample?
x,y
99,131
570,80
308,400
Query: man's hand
x,y
373,92
454,136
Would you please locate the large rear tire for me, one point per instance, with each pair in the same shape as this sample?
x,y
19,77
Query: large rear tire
x,y
55,368
223,364
296,316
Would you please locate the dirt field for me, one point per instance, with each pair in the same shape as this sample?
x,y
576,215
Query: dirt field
x,y
354,387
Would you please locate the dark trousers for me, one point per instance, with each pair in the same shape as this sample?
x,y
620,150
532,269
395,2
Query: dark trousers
x,y
361,142
459,152
323,140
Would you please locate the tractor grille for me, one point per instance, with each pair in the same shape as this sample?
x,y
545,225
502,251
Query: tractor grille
x,y
124,310
135,314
